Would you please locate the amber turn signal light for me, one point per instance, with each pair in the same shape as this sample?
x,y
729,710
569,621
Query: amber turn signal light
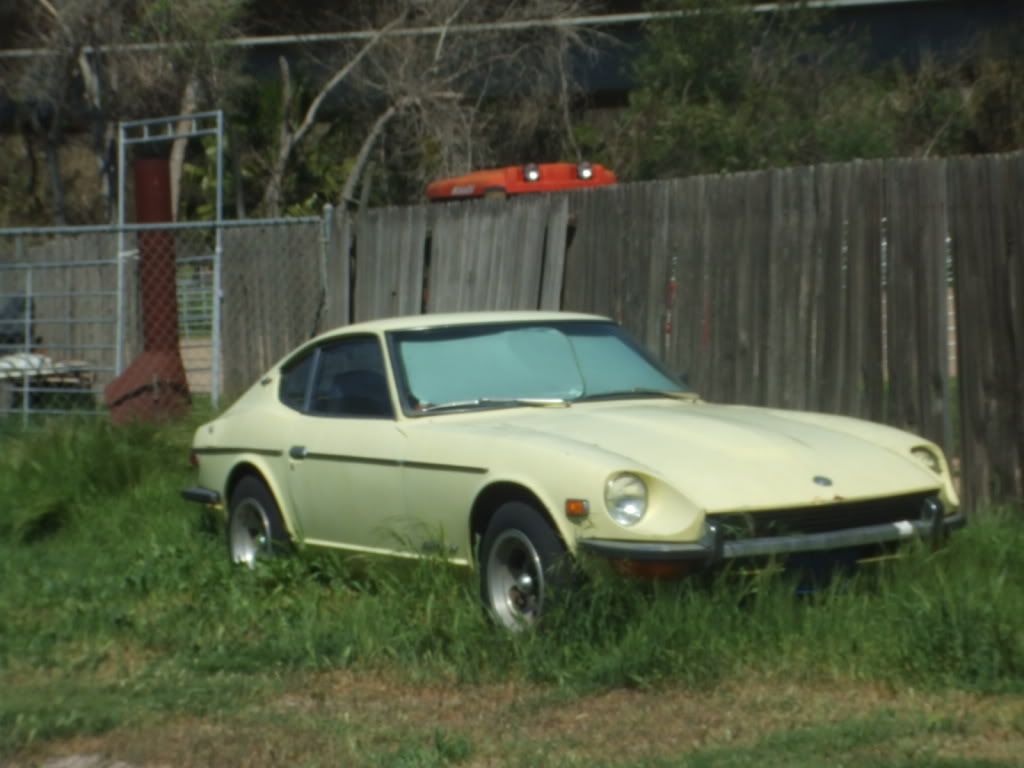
x,y
577,508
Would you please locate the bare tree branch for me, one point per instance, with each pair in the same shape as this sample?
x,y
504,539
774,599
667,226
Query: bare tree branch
x,y
348,191
177,162
451,84
338,78
289,139
88,65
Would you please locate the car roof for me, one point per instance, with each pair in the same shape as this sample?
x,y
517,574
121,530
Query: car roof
x,y
449,319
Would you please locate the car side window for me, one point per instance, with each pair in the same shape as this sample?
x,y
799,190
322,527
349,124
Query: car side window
x,y
350,380
295,381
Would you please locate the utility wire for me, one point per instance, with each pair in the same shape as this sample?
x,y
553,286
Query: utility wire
x,y
606,20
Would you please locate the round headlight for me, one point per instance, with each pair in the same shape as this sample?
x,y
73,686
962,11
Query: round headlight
x,y
585,171
531,172
626,498
927,457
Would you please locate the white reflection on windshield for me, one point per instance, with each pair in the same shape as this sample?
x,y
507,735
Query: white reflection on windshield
x,y
507,363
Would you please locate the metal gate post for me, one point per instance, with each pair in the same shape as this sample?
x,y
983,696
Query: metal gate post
x,y
27,346
216,339
326,227
120,327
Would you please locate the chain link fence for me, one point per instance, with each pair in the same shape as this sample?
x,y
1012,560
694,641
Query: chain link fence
x,y
127,321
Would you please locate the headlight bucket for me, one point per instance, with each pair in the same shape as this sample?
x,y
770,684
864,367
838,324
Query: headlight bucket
x,y
625,496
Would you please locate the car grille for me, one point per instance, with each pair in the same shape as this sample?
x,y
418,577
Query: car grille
x,y
819,519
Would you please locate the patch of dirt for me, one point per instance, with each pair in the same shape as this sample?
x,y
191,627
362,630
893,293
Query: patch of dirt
x,y
346,718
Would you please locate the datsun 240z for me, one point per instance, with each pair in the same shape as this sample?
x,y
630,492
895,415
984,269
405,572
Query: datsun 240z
x,y
511,442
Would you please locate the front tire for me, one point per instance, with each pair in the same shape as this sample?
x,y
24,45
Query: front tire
x,y
523,564
255,529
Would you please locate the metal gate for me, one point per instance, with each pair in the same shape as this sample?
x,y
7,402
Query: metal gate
x,y
70,304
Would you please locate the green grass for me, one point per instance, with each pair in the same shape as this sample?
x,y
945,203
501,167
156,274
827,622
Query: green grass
x,y
119,607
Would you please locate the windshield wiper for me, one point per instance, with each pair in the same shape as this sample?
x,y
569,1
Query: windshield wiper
x,y
688,397
497,402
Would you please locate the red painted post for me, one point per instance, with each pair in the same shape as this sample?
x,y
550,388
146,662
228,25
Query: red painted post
x,y
154,386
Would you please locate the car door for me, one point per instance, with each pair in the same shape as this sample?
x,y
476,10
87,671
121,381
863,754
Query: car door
x,y
345,450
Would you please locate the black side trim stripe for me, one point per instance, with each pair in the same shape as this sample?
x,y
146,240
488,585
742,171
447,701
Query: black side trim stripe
x,y
353,459
445,467
222,451
395,463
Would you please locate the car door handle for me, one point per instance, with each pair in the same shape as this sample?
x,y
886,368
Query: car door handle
x,y
298,452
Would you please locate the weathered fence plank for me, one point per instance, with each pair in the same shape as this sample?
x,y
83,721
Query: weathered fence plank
x,y
988,257
721,243
556,236
829,297
620,258
863,392
689,342
591,259
390,248
915,211
486,255
643,263
785,363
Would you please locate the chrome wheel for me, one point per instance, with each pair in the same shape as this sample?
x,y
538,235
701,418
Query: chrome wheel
x,y
249,533
515,580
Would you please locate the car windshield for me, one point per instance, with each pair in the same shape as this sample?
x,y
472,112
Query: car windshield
x,y
523,364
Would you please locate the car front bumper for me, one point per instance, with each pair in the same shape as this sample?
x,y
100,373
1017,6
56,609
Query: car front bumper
x,y
713,547
201,495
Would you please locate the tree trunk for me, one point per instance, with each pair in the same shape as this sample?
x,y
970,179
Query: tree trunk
x,y
56,182
285,144
236,172
290,137
349,190
275,183
178,147
102,130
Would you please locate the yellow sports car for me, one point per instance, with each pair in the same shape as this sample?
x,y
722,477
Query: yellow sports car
x,y
511,442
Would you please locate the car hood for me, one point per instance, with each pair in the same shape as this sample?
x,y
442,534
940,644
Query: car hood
x,y
735,457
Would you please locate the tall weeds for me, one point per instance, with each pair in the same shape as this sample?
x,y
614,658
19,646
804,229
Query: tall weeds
x,y
118,599
48,476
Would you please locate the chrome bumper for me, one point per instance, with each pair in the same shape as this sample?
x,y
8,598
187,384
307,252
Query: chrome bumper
x,y
712,548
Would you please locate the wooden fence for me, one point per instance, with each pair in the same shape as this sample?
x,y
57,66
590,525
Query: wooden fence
x,y
986,197
827,288
823,288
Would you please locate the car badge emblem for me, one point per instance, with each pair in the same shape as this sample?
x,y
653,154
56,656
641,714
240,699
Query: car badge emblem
x,y
822,480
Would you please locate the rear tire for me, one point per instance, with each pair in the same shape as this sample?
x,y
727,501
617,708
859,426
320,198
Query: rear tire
x,y
523,565
255,529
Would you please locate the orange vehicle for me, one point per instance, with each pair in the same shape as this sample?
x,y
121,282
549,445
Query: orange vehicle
x,y
521,180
